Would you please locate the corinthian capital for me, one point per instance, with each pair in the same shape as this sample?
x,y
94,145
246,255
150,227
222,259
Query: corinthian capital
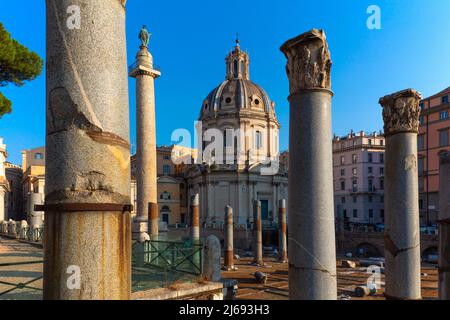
x,y
401,112
309,61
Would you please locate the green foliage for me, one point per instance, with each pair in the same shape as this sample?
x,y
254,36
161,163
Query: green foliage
x,y
17,65
5,105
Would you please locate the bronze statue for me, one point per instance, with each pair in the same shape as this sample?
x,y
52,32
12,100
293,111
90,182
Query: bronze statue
x,y
144,36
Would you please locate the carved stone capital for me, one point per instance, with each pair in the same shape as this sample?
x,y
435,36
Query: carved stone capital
x,y
309,61
401,112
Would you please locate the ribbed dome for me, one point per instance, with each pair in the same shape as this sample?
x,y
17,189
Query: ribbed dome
x,y
235,95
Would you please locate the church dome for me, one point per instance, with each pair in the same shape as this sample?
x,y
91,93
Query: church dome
x,y
237,93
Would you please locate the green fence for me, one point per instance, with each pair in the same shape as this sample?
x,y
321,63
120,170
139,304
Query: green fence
x,y
159,264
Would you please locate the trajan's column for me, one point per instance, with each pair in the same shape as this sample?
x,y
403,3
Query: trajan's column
x,y
312,252
401,113
87,191
147,213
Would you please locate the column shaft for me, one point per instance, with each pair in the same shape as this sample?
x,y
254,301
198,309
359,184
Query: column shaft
x,y
282,244
312,252
87,253
229,238
195,219
402,236
257,234
146,166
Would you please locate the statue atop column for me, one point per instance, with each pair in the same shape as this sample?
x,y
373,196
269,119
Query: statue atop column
x,y
144,36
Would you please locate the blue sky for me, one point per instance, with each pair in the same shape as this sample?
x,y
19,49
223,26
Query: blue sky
x,y
191,38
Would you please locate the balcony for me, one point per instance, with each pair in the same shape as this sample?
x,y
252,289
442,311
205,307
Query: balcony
x,y
363,190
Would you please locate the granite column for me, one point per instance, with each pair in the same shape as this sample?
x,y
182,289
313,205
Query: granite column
x,y
282,244
312,252
229,238
195,218
401,113
87,191
257,234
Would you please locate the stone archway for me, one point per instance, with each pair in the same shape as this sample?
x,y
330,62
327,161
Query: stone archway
x,y
367,250
430,254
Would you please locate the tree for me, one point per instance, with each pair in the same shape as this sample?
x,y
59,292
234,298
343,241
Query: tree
x,y
17,65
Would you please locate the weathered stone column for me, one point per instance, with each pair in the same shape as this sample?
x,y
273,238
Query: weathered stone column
x,y
211,259
312,252
444,228
282,245
402,236
195,218
257,234
87,220
229,239
147,213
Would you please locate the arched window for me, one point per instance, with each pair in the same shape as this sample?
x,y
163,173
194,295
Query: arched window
x,y
235,70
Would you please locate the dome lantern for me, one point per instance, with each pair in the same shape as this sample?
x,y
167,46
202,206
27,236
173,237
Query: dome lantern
x,y
237,63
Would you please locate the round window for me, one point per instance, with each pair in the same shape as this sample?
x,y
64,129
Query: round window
x,y
257,102
228,100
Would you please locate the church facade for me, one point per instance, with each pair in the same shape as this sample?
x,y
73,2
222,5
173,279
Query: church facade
x,y
239,151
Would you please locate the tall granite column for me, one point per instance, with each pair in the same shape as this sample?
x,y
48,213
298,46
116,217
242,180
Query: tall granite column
x,y
444,228
402,227
257,234
195,218
282,245
147,212
312,252
87,220
229,238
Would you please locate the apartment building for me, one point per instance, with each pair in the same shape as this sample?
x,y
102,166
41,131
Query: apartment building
x,y
358,171
433,141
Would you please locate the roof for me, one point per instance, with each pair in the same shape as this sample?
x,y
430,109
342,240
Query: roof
x,y
236,95
443,92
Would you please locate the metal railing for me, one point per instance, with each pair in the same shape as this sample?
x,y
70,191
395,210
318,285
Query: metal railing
x,y
20,285
185,257
163,264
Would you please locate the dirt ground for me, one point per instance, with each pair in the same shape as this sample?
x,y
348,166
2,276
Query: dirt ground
x,y
276,287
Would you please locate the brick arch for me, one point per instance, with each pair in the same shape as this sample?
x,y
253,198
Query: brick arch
x,y
371,249
431,249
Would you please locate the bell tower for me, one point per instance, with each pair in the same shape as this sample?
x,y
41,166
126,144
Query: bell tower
x,y
237,62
